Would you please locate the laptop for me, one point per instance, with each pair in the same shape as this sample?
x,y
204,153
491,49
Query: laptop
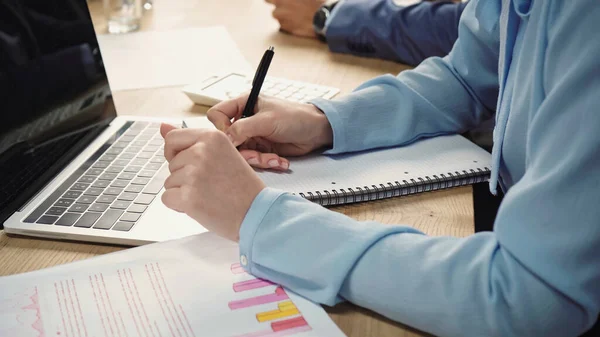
x,y
70,167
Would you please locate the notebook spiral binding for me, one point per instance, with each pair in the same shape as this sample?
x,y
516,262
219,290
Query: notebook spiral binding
x,y
397,188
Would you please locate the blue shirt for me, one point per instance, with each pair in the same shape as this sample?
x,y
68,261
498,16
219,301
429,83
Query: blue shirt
x,y
382,29
532,64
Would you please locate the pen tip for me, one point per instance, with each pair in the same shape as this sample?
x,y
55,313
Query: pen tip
x,y
271,48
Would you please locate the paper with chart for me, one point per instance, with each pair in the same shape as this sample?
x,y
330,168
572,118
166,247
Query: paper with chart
x,y
169,58
191,287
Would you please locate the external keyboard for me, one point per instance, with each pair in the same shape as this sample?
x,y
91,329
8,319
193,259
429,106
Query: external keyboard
x,y
113,188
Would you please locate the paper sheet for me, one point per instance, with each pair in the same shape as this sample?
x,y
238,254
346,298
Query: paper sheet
x,y
191,287
169,58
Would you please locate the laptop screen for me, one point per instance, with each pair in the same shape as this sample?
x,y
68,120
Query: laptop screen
x,y
54,93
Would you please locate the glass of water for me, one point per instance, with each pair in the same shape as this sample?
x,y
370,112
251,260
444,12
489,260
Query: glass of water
x,y
123,16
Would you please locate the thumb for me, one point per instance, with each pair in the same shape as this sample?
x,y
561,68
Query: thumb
x,y
166,128
259,125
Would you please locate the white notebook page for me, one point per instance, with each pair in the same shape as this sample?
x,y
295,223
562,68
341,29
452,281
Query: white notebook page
x,y
425,158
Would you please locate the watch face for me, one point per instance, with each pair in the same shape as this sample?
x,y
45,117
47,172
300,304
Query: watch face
x,y
319,19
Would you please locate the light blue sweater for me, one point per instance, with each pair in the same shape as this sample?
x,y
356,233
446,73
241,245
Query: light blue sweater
x,y
535,63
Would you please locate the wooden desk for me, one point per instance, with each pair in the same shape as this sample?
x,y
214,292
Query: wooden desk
x,y
447,212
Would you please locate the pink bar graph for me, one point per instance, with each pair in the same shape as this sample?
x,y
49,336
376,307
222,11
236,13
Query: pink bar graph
x,y
236,268
270,333
279,295
251,284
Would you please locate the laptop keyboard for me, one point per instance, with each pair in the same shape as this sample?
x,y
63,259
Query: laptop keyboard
x,y
114,187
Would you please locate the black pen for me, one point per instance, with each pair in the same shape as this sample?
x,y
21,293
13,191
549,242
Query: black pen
x,y
257,82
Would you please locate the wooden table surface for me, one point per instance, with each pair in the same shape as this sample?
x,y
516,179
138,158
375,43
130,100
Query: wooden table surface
x,y
249,22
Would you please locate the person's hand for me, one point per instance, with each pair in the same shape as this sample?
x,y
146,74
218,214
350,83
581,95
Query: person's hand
x,y
278,128
209,181
296,16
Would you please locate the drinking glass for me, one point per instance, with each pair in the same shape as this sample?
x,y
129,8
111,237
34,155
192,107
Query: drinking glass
x,y
123,16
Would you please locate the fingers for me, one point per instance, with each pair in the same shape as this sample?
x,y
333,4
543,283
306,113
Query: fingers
x,y
272,2
179,140
173,198
222,113
181,177
184,158
166,128
265,160
259,125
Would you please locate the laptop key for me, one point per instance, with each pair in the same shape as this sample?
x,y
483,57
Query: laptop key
x,y
106,199
114,169
127,196
94,171
47,219
139,162
86,179
133,169
78,208
120,144
130,217
158,159
86,199
146,174
156,142
64,202
120,204
138,143
145,155
101,184
119,183
108,176
72,194
134,188
108,219
97,207
113,191
68,219
79,186
127,155
87,220
121,162
123,226
156,184
56,210
101,165
133,149
126,176
137,208
113,150
140,181
94,191
153,166
151,148
108,157
144,199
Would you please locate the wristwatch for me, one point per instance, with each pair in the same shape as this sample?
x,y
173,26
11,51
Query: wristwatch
x,y
320,18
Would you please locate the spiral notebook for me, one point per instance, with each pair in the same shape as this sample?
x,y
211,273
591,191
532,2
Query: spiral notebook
x,y
426,165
